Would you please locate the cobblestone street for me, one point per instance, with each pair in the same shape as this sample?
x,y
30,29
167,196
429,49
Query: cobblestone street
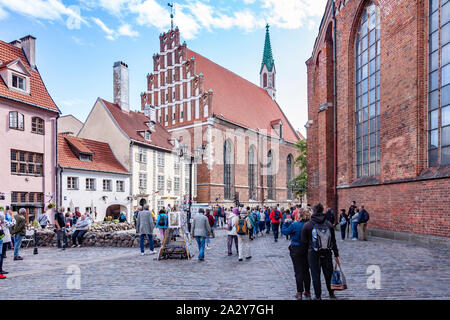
x,y
407,272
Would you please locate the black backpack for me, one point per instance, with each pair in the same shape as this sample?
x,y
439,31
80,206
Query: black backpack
x,y
277,215
162,221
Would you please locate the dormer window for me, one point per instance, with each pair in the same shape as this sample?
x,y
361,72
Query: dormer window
x,y
18,82
16,120
147,135
85,157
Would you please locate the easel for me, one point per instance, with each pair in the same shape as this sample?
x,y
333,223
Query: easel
x,y
174,249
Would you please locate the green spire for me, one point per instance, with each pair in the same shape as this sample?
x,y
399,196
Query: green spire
x,y
267,55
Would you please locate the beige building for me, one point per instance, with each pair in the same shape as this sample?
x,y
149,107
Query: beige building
x,y
158,176
69,125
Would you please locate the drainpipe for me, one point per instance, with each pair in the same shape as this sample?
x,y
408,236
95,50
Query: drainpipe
x,y
58,184
335,114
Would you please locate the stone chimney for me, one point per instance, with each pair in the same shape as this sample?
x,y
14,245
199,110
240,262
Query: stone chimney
x,y
121,85
16,43
28,47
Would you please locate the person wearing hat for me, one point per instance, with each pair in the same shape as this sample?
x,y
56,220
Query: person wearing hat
x,y
200,230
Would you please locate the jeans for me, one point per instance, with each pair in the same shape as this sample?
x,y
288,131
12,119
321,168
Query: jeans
x,y
201,246
78,235
267,226
354,230
343,228
262,226
4,248
1,255
317,261
275,229
150,242
301,268
256,228
61,233
230,243
17,243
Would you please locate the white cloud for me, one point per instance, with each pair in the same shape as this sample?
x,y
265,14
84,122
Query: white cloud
x,y
292,14
150,13
126,30
3,13
102,26
43,9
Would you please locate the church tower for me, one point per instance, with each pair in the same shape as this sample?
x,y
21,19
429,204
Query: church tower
x,y
267,73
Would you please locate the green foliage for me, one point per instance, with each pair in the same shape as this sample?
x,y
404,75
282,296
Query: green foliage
x,y
300,183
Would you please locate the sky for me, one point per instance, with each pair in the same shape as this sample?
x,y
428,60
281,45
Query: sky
x,y
78,42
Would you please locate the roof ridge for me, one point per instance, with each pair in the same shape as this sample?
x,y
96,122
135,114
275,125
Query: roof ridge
x,y
229,71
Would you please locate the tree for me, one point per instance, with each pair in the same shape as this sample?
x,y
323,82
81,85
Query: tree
x,y
300,183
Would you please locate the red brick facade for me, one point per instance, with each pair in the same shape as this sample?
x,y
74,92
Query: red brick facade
x,y
202,103
406,195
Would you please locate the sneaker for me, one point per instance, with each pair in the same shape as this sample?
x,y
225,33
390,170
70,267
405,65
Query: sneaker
x,y
142,254
153,252
298,295
249,257
354,239
276,240
79,246
230,254
307,295
207,248
317,298
18,258
2,276
74,246
332,296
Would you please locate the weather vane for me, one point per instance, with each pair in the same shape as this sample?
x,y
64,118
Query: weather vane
x,y
170,4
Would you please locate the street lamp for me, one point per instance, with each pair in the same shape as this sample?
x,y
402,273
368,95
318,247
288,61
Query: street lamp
x,y
183,153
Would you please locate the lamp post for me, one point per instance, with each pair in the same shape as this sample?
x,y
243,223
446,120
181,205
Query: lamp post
x,y
183,153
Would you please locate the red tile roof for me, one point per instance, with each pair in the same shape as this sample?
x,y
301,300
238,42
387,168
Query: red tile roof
x,y
240,101
102,160
134,123
78,144
38,92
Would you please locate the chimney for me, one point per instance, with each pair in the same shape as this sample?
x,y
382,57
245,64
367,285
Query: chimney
x,y
16,43
121,85
150,112
28,47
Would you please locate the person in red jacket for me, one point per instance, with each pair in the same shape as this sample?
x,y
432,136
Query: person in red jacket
x,y
275,219
211,224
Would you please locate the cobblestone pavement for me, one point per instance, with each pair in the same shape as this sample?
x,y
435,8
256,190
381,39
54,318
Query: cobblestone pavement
x,y
408,271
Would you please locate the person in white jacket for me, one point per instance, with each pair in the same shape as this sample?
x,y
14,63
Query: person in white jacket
x,y
4,225
232,235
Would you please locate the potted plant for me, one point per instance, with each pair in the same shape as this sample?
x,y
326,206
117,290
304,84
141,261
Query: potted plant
x,y
51,205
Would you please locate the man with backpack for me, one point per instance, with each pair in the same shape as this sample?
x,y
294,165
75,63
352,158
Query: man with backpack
x,y
363,219
319,239
243,227
275,219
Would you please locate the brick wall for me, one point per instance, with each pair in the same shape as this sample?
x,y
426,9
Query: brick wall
x,y
403,120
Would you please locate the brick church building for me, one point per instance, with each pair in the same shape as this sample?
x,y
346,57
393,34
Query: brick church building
x,y
247,140
379,114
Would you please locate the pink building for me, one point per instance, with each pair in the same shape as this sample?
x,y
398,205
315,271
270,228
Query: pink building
x,y
27,131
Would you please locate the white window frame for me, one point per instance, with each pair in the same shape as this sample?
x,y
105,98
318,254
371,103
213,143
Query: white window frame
x,y
72,183
107,185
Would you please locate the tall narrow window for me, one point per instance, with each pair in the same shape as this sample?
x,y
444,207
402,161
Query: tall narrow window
x,y
16,120
227,170
270,176
289,170
367,116
251,172
439,83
